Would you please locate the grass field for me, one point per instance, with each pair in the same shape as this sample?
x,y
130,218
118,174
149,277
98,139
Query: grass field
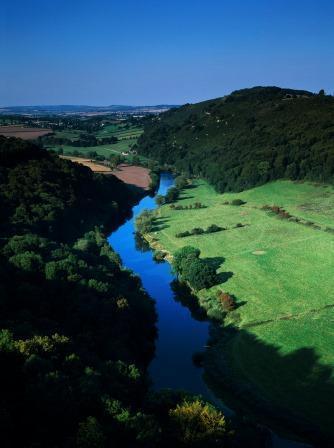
x,y
103,150
127,138
281,273
120,131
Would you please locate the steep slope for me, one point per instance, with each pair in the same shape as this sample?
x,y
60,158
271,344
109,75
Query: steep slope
x,y
247,138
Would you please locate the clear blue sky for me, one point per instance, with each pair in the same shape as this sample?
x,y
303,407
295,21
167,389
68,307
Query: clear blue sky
x,y
103,52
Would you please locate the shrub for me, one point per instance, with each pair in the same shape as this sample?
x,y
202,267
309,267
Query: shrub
x,y
172,195
238,202
183,234
144,222
197,231
159,255
197,423
160,200
213,228
227,301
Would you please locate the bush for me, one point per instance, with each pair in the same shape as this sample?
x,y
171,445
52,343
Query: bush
x,y
214,228
181,182
172,195
238,202
183,234
227,301
198,424
144,222
160,200
159,255
197,231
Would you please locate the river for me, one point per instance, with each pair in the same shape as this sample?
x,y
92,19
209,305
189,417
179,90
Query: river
x,y
180,335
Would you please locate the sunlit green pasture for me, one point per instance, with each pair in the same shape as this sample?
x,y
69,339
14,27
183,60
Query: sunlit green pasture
x,y
281,274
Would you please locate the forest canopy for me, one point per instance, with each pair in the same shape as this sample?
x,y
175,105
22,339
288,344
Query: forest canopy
x,y
247,138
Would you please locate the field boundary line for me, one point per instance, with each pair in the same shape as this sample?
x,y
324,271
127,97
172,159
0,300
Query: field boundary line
x,y
287,317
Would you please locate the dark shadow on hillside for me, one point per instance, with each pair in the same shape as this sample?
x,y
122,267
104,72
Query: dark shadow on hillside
x,y
300,381
184,295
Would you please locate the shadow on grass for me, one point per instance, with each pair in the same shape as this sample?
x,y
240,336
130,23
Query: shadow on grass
x,y
159,224
223,277
215,262
181,198
293,393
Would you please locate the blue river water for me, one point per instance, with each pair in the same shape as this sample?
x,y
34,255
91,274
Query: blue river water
x,y
179,334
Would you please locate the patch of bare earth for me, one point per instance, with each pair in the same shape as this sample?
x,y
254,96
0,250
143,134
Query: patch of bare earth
x,y
24,133
134,175
259,252
130,174
94,166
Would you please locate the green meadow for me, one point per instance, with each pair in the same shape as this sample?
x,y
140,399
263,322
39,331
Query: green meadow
x,y
127,136
103,150
281,274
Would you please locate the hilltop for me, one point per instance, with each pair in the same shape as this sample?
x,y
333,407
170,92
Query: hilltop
x,y
247,138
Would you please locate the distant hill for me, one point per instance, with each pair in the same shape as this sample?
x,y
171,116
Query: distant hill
x,y
83,110
247,138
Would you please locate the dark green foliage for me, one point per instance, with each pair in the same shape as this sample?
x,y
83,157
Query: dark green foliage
x,y
144,222
199,231
186,252
181,182
214,228
238,202
197,272
44,194
76,327
172,194
160,200
247,138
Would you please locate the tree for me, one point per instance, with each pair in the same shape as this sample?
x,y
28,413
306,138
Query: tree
x,y
186,252
198,424
198,273
181,182
90,434
172,195
160,200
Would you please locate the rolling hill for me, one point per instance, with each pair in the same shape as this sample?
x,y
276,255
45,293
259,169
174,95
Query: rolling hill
x,y
247,138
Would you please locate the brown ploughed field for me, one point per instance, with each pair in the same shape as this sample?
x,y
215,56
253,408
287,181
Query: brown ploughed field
x,y
130,174
135,175
24,133
94,166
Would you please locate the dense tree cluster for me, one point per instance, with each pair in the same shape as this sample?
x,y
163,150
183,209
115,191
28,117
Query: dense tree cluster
x,y
192,269
42,193
213,228
247,138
